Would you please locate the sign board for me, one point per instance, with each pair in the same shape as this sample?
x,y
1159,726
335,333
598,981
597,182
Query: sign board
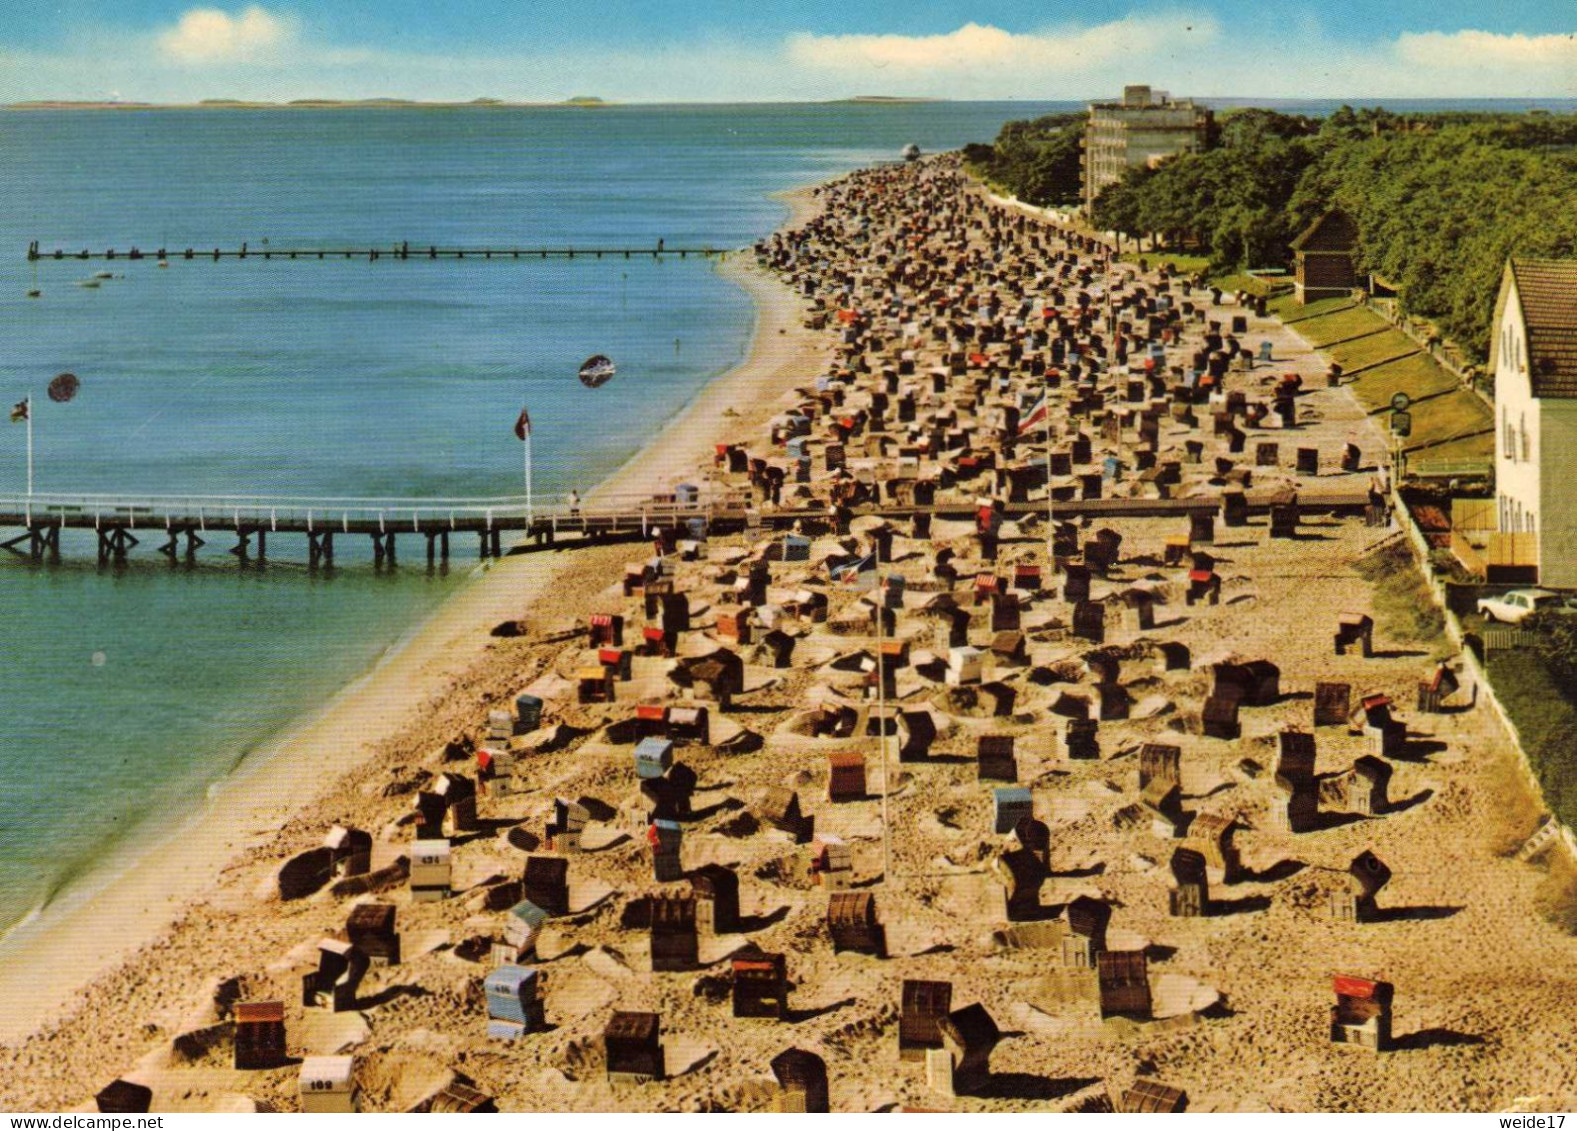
x,y
1400,402
1402,423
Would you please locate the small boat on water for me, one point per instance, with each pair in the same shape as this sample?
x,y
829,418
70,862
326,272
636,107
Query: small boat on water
x,y
597,371
105,275
34,293
92,284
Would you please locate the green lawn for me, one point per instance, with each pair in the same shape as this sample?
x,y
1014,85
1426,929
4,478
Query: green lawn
x,y
1545,715
1288,308
1546,720
1253,284
1447,417
1417,376
1375,348
1340,325
1472,449
1402,602
1181,262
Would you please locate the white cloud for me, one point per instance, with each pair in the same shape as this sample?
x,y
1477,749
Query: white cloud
x,y
976,46
1470,48
204,36
263,53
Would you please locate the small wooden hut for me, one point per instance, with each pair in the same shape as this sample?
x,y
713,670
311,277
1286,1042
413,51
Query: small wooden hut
x,y
632,1047
1361,1016
546,883
1084,936
716,891
514,1004
259,1034
370,928
852,921
1124,981
922,1005
1189,896
802,1082
760,986
123,1097
327,1085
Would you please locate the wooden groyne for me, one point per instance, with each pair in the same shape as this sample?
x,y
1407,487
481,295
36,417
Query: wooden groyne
x,y
400,252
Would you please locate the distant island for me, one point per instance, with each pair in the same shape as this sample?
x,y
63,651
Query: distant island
x,y
886,100
579,100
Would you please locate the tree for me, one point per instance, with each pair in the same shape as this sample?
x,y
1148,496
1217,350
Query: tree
x,y
1037,161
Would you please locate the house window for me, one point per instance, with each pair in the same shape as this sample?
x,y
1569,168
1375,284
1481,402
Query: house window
x,y
1527,440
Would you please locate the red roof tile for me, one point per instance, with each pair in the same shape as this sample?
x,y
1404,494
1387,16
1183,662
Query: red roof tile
x,y
1547,289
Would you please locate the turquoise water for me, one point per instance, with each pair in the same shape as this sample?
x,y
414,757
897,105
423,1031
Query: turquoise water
x,y
126,693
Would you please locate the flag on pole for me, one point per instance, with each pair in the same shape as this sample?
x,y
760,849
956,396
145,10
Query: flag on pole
x,y
22,410
523,425
859,574
1036,416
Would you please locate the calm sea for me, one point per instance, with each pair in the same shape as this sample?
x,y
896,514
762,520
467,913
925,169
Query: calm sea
x,y
125,693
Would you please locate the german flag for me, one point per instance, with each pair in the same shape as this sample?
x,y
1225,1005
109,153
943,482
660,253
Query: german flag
x,y
21,411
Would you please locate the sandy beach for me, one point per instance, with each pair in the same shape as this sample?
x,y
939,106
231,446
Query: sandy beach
x,y
903,338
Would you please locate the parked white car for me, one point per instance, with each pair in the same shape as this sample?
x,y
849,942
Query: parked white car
x,y
1519,604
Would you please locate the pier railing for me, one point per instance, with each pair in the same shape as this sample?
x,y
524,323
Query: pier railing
x,y
309,512
392,253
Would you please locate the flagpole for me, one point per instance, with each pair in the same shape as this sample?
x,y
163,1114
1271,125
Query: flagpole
x,y
1051,517
530,513
881,712
30,445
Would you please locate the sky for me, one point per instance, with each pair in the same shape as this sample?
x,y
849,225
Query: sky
x,y
783,50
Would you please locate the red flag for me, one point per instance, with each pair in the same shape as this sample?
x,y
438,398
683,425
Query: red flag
x,y
523,425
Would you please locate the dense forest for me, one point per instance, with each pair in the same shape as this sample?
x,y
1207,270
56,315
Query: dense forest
x,y
1440,200
1036,161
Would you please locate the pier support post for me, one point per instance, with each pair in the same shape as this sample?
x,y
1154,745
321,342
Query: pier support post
x,y
485,541
38,538
243,544
114,544
320,549
171,549
437,546
496,551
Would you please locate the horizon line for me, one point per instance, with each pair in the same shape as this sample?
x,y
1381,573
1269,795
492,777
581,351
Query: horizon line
x,y
484,102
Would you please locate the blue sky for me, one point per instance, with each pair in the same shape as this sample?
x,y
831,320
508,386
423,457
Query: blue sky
x,y
168,50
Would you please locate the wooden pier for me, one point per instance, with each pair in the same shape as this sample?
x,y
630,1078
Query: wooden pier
x,y
399,251
178,526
